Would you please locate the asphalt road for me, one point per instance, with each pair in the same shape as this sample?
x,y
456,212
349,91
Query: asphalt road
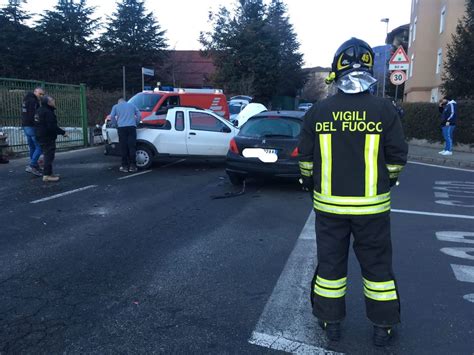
x,y
154,264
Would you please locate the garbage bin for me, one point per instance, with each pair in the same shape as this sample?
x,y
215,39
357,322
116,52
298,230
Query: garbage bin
x,y
3,148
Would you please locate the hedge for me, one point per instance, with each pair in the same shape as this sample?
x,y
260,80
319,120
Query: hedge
x,y
422,121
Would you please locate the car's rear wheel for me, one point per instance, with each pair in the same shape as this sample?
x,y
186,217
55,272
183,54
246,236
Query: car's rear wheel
x,y
144,157
235,179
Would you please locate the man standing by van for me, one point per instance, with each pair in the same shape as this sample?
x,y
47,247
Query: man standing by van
x,y
125,116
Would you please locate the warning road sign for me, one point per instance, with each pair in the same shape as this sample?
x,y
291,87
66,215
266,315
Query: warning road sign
x,y
399,60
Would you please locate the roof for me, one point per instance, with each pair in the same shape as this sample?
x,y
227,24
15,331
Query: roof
x,y
290,114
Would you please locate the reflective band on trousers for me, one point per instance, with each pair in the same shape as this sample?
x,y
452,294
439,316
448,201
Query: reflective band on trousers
x,y
379,286
326,163
331,283
353,210
394,168
306,173
329,293
352,200
371,163
306,165
380,296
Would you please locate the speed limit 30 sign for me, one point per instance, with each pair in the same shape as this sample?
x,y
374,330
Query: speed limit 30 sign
x,y
398,77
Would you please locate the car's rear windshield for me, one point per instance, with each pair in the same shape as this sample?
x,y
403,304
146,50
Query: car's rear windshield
x,y
145,102
277,127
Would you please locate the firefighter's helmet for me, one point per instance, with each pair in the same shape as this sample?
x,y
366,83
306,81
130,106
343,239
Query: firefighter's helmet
x,y
353,55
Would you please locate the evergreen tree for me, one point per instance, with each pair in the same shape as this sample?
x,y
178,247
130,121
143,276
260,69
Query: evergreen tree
x,y
14,12
67,51
18,44
459,66
133,39
255,51
291,78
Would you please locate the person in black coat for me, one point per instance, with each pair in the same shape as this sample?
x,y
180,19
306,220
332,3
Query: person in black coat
x,y
31,103
47,130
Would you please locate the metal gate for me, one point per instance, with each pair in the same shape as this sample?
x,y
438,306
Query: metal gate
x,y
71,111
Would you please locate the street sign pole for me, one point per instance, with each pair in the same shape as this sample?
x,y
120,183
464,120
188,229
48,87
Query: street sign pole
x,y
123,79
396,93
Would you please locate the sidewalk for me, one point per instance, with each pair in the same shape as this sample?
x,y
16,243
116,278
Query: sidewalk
x,y
430,155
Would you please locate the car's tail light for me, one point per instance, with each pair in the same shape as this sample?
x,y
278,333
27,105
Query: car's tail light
x,y
233,146
295,153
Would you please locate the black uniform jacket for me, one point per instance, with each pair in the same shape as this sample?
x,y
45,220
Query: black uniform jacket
x,y
353,147
46,126
28,110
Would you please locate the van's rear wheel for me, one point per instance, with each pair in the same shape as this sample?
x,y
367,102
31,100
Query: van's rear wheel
x,y
144,157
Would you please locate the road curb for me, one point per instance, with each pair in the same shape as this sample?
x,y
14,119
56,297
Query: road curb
x,y
441,161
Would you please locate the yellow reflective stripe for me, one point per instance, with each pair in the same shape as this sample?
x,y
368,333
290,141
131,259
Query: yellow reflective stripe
x,y
306,165
352,200
394,168
329,293
371,166
326,163
331,283
380,296
306,173
393,175
363,210
379,286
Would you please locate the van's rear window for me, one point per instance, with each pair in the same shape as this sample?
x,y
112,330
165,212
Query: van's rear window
x,y
145,102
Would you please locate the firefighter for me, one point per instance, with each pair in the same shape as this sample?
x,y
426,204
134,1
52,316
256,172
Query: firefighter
x,y
352,149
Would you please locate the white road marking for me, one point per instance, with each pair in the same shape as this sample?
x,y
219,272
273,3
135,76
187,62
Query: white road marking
x,y
173,163
463,273
462,253
469,298
282,344
434,214
441,194
455,237
287,322
441,166
64,194
133,175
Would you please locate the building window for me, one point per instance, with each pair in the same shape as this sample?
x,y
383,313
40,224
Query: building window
x,y
442,19
410,35
439,60
412,64
414,29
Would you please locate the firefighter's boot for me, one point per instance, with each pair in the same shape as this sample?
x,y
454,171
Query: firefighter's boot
x,y
382,335
333,330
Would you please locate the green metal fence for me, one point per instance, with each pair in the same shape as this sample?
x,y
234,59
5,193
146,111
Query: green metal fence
x,y
71,111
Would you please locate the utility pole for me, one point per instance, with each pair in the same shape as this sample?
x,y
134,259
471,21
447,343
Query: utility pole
x,y
386,20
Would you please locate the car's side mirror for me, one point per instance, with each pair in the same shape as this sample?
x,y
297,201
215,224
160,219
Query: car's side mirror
x,y
235,123
226,129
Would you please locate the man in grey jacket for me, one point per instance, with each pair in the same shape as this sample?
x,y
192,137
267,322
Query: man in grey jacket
x,y
125,116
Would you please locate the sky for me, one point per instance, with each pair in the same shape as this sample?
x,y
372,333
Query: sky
x,y
321,25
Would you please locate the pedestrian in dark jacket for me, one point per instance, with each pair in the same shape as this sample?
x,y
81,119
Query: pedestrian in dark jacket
x,y
47,130
30,105
448,109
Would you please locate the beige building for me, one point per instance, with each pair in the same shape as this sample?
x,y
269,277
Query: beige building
x,y
432,24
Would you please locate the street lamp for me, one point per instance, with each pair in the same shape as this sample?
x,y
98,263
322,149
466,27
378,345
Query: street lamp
x,y
386,20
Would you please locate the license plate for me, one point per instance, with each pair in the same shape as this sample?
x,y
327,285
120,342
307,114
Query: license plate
x,y
264,155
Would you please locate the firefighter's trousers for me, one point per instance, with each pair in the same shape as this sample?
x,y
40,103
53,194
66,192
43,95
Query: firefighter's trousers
x,y
373,248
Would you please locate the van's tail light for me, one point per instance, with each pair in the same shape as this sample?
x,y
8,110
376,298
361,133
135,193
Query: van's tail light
x,y
295,153
233,146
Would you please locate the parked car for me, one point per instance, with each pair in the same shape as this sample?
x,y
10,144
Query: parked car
x,y
189,132
267,145
305,106
242,97
235,107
